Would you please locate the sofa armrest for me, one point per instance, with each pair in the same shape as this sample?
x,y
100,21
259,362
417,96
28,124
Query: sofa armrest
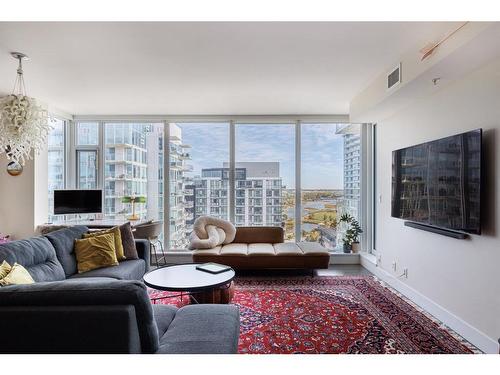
x,y
143,251
85,301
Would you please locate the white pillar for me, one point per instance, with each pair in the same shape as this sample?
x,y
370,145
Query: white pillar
x,y
24,200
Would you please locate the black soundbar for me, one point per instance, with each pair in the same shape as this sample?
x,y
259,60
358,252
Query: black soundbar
x,y
441,231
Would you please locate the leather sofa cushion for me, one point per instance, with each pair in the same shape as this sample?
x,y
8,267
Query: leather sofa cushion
x,y
63,241
287,248
259,235
312,248
35,254
213,251
265,249
233,249
260,249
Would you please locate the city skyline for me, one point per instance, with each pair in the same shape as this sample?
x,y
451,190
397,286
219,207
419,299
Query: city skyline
x,y
322,152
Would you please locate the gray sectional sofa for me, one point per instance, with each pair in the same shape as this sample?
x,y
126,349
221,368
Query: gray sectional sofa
x,y
52,258
102,311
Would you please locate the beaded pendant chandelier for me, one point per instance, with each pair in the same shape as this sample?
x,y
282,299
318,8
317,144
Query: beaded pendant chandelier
x,y
24,123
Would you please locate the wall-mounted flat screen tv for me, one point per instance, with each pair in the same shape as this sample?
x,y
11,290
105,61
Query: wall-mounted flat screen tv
x,y
438,183
77,202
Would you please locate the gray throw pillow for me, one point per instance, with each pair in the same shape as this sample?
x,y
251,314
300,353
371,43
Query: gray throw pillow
x,y
128,241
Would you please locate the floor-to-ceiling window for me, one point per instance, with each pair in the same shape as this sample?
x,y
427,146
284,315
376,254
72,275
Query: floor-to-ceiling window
x,y
87,143
133,167
265,179
330,180
199,176
56,160
269,159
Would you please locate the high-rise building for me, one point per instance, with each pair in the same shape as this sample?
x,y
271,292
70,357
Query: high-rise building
x,y
155,184
258,194
352,168
134,158
181,192
125,167
55,161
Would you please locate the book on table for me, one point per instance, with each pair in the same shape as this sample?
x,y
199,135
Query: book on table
x,y
213,268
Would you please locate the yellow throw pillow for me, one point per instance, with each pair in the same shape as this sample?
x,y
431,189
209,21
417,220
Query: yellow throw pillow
x,y
4,269
95,252
17,275
118,240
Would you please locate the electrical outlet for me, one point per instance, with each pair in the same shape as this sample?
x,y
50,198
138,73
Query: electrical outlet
x,y
394,266
379,259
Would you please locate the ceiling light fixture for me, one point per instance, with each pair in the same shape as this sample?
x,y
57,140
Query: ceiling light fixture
x,y
23,122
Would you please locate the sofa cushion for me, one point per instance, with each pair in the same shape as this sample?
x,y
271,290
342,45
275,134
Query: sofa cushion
x,y
117,239
258,249
213,251
127,270
95,252
199,329
35,254
17,276
63,241
312,248
234,249
287,248
4,269
129,249
88,279
164,314
259,235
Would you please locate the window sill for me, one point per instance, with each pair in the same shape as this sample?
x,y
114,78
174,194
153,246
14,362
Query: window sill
x,y
369,258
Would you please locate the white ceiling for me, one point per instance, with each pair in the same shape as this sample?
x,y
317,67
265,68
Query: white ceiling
x,y
205,68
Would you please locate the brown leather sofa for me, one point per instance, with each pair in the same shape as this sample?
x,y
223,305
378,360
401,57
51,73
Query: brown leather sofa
x,y
264,247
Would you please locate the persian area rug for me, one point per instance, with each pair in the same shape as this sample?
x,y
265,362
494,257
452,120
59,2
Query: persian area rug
x,y
342,314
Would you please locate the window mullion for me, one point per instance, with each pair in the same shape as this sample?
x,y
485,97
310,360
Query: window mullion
x,y
232,171
298,190
166,183
100,159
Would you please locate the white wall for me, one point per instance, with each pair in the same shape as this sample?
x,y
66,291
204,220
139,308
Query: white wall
x,y
24,198
462,276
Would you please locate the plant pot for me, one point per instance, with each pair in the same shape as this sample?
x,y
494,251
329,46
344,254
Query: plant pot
x,y
356,247
347,248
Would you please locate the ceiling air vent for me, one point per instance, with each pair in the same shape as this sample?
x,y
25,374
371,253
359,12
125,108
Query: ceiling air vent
x,y
394,77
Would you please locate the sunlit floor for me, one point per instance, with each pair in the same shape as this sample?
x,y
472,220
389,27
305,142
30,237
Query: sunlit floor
x,y
343,270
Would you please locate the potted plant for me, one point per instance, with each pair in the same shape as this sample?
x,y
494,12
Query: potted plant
x,y
351,236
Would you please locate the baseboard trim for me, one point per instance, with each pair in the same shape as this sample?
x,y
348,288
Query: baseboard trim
x,y
464,329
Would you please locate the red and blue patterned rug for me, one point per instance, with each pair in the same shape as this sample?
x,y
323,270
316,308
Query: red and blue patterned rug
x,y
344,314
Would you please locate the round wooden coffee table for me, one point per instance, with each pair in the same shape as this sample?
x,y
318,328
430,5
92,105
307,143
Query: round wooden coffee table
x,y
201,286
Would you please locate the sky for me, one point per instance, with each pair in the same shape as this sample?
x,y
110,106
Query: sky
x,y
322,150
